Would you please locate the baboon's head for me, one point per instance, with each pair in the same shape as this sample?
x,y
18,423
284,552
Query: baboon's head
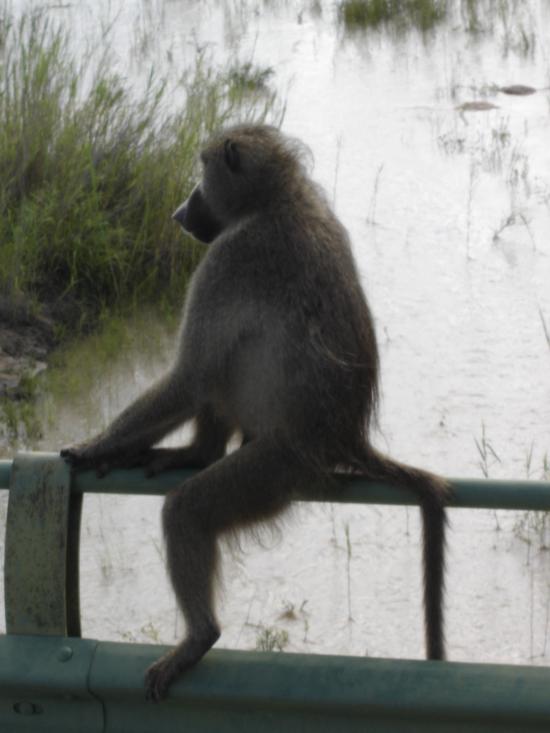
x,y
245,168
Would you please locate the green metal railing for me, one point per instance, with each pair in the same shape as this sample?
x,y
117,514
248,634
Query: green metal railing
x,y
53,680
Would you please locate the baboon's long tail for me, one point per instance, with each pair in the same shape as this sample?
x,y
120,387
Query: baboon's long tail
x,y
433,493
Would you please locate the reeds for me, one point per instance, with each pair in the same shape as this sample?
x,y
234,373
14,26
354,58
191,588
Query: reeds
x,y
363,14
90,173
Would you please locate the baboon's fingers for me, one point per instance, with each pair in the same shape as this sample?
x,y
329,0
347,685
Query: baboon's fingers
x,y
157,680
86,458
176,662
73,455
79,458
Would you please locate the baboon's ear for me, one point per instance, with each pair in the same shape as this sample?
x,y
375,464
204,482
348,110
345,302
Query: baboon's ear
x,y
232,157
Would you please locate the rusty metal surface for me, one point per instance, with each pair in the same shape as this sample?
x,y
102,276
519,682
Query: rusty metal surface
x,y
56,684
44,686
467,493
36,548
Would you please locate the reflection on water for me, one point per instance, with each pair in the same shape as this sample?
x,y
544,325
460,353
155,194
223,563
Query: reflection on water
x,y
448,207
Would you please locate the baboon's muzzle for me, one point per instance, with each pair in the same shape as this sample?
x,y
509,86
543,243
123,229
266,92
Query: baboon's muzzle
x,y
195,217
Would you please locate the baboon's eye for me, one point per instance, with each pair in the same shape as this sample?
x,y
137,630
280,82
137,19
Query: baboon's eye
x,y
232,155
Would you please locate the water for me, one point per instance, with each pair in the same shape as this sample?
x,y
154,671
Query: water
x,y
449,213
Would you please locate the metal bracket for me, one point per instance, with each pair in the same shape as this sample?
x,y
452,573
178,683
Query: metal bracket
x,y
41,567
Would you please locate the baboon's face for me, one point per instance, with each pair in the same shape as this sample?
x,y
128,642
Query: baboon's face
x,y
195,217
213,201
242,169
230,175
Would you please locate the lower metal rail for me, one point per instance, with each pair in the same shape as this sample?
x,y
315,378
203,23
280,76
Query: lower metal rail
x,y
52,680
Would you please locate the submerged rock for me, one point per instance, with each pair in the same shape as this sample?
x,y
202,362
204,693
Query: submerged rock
x,y
476,106
517,89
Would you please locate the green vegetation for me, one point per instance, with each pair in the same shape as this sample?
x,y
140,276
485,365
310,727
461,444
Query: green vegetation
x,y
487,454
73,372
532,527
545,327
19,423
271,639
90,171
248,79
363,14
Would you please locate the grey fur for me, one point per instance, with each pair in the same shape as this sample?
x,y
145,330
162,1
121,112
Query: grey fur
x,y
276,341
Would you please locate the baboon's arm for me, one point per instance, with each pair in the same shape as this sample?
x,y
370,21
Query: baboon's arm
x,y
146,421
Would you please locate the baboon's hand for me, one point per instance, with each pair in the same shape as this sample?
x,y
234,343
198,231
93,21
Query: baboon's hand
x,y
86,457
92,456
83,455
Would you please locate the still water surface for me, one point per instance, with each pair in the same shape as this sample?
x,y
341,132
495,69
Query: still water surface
x,y
449,213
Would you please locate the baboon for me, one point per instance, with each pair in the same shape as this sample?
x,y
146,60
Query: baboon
x,y
277,343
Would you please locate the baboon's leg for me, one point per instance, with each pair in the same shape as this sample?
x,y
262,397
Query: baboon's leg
x,y
209,444
252,484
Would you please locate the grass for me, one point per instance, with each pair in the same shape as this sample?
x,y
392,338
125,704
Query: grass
x,y
90,174
20,425
487,458
246,79
535,525
363,14
271,639
349,553
487,453
290,613
545,327
74,366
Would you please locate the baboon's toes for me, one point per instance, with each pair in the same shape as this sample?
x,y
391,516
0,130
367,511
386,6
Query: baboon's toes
x,y
158,465
158,679
153,468
102,469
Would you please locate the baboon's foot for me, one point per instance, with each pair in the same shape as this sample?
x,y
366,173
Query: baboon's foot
x,y
169,459
168,668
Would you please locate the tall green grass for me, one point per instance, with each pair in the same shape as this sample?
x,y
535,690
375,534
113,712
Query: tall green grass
x,y
90,173
402,14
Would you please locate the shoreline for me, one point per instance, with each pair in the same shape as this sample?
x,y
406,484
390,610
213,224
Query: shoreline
x,y
26,340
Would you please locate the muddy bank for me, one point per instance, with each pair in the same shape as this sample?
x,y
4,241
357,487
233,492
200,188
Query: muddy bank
x,y
27,336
